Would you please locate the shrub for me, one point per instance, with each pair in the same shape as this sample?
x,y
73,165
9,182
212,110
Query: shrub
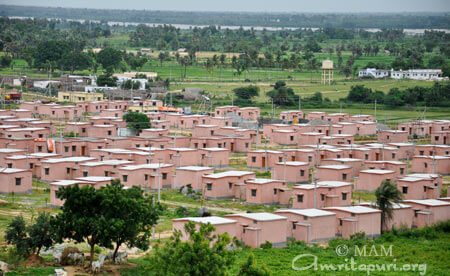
x,y
266,245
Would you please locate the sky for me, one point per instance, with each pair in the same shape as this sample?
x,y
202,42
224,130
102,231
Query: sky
x,y
251,5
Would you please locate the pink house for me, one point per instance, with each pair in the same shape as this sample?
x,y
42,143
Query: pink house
x,y
107,168
174,119
14,180
29,132
102,131
155,132
191,176
404,150
263,158
370,180
221,225
31,161
348,128
111,112
181,157
398,167
226,184
364,128
214,157
250,113
62,168
392,136
294,171
291,115
441,137
328,193
402,216
354,163
190,121
418,187
354,219
432,150
338,117
164,124
310,138
221,111
268,129
221,121
287,137
316,115
431,164
309,225
5,152
334,173
147,176
254,229
265,191
205,130
429,211
363,118
79,128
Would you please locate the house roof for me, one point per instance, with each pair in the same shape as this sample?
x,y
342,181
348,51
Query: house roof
x,y
69,159
307,212
194,168
293,163
377,171
229,173
428,202
214,220
335,167
95,178
113,162
11,170
354,209
146,166
261,181
259,216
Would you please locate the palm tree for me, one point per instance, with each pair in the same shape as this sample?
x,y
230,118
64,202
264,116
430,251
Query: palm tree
x,y
387,195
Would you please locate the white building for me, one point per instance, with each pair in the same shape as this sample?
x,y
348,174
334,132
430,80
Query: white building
x,y
374,73
417,74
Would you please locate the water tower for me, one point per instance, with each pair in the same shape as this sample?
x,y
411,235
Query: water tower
x,y
327,71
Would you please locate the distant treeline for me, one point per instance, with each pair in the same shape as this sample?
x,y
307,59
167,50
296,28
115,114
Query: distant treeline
x,y
300,20
437,95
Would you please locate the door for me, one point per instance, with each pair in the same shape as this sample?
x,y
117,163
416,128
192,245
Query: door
x,y
263,163
293,158
83,151
445,140
377,156
232,146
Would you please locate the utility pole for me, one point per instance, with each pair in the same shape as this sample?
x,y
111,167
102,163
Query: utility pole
x,y
265,148
273,110
375,115
284,157
159,179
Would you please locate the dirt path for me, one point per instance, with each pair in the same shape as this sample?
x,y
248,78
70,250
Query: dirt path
x,y
15,214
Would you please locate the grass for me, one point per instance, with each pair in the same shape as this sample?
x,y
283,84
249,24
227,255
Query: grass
x,y
430,246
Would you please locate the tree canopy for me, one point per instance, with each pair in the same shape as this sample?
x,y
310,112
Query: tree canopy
x,y
136,120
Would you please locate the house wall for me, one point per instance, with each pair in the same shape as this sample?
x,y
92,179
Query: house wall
x,y
8,182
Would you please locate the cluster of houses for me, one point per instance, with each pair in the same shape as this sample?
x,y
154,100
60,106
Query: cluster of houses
x,y
413,74
313,179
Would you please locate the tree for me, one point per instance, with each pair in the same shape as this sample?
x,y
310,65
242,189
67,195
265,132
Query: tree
x,y
283,95
387,195
204,254
251,268
246,93
41,233
162,56
16,234
109,58
129,216
50,51
185,61
107,80
130,84
5,61
136,120
82,218
73,60
30,239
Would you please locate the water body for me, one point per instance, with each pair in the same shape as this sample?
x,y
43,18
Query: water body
x,y
191,26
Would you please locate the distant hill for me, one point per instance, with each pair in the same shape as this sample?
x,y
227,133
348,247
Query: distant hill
x,y
295,20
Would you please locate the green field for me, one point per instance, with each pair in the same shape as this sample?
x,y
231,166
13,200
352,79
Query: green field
x,y
427,247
